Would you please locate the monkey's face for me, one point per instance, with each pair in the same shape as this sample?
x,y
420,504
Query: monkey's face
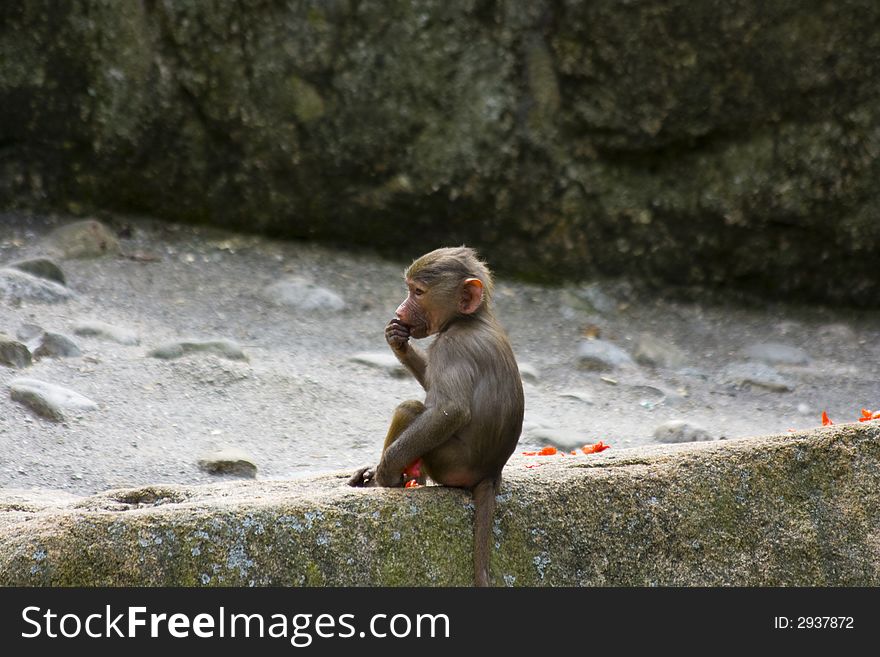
x,y
417,311
427,309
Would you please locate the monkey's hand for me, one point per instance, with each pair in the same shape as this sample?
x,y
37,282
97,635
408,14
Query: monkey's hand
x,y
363,478
397,335
385,476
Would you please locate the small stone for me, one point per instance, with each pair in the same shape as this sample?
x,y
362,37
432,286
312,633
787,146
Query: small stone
x,y
589,298
528,372
98,329
302,294
42,268
694,373
47,399
580,395
17,286
654,352
83,239
600,355
776,353
223,348
565,439
680,431
55,345
651,393
651,397
229,461
13,353
382,361
837,333
755,374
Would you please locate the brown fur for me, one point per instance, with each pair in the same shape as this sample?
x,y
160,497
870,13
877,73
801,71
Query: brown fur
x,y
471,418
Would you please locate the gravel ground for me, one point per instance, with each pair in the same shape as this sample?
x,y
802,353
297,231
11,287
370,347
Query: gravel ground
x,y
302,404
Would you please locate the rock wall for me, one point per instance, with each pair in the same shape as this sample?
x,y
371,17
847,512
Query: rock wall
x,y
799,510
688,142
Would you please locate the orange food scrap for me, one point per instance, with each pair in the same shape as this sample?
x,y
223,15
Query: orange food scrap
x,y
551,451
867,416
412,473
413,470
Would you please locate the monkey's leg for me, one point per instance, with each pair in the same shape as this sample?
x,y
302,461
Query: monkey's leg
x,y
404,415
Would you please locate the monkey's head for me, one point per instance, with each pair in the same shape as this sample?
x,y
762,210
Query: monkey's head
x,y
444,285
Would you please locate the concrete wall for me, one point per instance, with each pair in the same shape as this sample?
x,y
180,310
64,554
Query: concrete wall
x,y
801,509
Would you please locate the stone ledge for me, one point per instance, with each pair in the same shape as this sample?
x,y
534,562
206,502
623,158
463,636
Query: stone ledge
x,y
801,509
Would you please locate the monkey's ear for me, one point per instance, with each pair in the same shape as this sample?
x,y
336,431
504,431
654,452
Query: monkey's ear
x,y
471,296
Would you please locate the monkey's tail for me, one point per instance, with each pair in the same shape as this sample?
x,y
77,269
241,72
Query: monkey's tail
x,y
484,511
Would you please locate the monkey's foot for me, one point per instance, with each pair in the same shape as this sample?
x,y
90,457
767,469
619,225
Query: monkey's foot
x,y
363,478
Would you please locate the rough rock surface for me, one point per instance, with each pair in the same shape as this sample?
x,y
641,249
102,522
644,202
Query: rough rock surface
x,y
755,374
42,268
82,239
104,331
566,138
56,345
13,353
777,354
653,352
49,400
180,348
302,294
795,510
602,355
17,286
229,461
680,431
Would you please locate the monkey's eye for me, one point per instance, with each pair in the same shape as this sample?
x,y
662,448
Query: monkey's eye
x,y
418,291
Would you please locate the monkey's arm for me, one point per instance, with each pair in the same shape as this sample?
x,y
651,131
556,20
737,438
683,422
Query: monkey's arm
x,y
433,427
410,356
415,361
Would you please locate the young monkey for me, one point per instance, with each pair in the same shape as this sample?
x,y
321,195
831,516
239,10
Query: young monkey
x,y
471,418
